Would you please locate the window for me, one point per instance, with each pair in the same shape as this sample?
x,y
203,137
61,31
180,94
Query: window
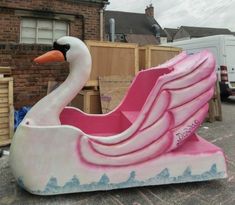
x,y
42,31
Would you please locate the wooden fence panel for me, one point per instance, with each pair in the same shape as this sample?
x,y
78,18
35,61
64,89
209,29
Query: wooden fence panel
x,y
151,56
112,59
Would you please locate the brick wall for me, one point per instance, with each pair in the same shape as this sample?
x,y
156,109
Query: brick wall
x,y
88,10
30,81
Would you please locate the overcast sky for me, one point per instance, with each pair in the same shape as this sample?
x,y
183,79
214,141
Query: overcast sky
x,y
176,13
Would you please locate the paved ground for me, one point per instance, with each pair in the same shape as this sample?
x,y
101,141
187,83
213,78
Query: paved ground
x,y
221,192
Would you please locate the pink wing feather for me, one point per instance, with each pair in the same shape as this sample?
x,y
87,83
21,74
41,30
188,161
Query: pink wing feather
x,y
175,108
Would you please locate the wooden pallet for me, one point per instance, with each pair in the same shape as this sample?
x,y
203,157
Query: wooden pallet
x,y
6,111
215,110
112,91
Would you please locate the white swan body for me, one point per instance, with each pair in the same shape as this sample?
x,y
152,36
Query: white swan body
x,y
148,139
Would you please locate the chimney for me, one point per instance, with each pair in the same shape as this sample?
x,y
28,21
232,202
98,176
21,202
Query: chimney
x,y
149,11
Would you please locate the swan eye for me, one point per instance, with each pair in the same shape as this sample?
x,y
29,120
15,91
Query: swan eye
x,y
63,48
60,47
66,47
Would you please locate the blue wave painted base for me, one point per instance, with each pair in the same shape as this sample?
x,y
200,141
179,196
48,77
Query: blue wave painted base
x,y
104,183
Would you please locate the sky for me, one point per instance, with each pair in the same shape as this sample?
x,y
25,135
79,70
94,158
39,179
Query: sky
x,y
176,13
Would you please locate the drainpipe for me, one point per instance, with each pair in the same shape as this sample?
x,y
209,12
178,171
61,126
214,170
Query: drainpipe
x,y
83,25
112,29
101,24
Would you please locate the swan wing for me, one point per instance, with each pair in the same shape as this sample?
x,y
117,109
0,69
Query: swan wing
x,y
175,109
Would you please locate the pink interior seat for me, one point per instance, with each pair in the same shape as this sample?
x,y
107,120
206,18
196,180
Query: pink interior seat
x,y
124,115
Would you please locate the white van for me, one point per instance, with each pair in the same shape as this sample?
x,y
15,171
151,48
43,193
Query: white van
x,y
223,48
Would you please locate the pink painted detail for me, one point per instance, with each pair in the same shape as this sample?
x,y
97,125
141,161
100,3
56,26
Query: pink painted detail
x,y
162,109
138,141
191,108
91,156
158,109
130,115
195,145
187,128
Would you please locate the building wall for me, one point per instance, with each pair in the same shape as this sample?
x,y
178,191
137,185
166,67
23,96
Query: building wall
x,y
30,81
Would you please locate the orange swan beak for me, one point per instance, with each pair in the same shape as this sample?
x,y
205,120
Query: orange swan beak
x,y
50,56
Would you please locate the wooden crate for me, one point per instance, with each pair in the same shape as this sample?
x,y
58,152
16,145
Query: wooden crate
x,y
6,111
88,101
112,59
150,56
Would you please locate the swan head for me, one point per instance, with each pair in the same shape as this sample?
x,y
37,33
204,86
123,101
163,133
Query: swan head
x,y
67,48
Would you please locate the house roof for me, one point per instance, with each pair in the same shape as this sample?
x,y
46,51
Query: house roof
x,y
141,39
131,23
205,31
171,31
94,1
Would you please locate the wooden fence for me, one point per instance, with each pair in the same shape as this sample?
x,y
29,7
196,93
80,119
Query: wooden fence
x,y
150,56
112,59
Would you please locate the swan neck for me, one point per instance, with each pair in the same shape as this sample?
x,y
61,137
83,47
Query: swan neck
x,y
78,76
48,109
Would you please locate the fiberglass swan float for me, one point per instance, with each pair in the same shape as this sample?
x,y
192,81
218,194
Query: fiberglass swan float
x,y
148,139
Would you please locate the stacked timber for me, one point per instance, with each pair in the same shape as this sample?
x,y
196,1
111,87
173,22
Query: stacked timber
x,y
215,110
6,106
